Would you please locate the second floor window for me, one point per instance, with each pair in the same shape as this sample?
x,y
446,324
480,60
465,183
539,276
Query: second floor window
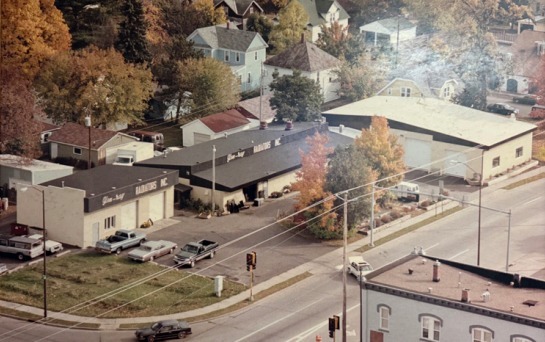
x,y
481,335
405,92
446,92
384,317
519,152
496,162
249,78
255,55
431,328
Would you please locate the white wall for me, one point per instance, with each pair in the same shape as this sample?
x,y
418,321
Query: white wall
x,y
507,154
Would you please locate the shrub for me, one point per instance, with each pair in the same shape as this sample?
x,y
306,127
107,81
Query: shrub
x,y
386,218
425,204
378,223
395,214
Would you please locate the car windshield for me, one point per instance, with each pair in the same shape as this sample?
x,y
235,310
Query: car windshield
x,y
156,326
146,248
190,249
366,267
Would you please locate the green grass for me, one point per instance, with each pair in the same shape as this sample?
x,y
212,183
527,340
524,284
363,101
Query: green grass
x,y
80,277
37,318
524,181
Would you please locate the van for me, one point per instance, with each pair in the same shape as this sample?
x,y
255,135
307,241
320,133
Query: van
x,y
156,138
407,191
537,112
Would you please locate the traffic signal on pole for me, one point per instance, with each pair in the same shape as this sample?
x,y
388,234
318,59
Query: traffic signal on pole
x,y
331,327
251,259
337,322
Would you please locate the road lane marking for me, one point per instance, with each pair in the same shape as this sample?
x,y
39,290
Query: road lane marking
x,y
457,255
530,201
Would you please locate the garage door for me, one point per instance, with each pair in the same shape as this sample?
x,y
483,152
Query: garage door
x,y
418,154
128,216
200,138
454,164
157,207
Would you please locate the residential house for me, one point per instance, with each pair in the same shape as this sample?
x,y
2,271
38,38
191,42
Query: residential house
x,y
535,24
18,170
323,12
313,63
424,298
425,84
72,141
387,32
244,51
258,109
238,11
214,126
434,133
45,133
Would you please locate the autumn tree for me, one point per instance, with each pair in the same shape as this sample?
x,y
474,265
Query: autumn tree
x,y
94,82
310,183
296,98
361,79
292,23
32,31
131,40
261,24
212,16
213,86
19,131
280,3
348,170
339,42
373,10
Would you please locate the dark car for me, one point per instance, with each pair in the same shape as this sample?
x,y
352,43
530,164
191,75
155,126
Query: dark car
x,y
501,108
164,330
526,99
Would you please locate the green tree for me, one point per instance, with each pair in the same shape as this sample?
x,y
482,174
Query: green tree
x,y
261,24
213,86
348,170
292,23
131,40
361,79
95,82
339,42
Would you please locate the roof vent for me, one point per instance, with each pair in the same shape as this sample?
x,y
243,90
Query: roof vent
x,y
486,296
113,188
530,302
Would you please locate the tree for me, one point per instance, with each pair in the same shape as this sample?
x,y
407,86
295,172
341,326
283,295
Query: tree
x,y
261,24
211,15
296,98
19,131
292,23
348,170
310,183
95,82
131,41
361,79
213,86
32,30
339,42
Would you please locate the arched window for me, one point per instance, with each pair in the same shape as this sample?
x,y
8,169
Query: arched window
x,y
481,334
430,327
384,313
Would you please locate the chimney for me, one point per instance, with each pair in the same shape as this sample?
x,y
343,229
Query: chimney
x,y
465,296
436,276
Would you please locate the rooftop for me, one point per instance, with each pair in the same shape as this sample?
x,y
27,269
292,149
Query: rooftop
x,y
22,163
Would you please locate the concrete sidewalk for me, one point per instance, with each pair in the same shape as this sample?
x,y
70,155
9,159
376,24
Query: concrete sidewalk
x,y
312,266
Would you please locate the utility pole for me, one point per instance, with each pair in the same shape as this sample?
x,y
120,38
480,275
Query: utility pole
x,y
372,223
88,124
345,233
213,177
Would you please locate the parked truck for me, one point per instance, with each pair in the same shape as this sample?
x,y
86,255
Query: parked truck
x,y
122,239
51,246
135,152
21,246
195,251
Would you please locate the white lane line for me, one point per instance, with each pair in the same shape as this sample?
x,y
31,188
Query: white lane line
x,y
278,320
430,247
457,255
530,201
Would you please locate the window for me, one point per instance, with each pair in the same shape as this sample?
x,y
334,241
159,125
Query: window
x,y
446,92
238,56
226,56
519,152
109,222
252,10
431,327
496,162
481,335
255,55
77,150
249,78
405,92
389,91
384,312
516,338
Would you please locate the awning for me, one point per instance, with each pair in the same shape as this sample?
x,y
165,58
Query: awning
x,y
182,188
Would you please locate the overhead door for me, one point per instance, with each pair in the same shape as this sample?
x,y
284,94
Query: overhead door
x,y
454,164
157,206
128,216
417,154
200,138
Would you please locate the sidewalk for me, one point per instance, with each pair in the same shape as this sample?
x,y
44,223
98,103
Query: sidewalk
x,y
312,266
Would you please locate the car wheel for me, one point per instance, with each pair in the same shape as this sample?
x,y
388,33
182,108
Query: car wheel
x,y
141,242
171,251
151,258
20,256
118,251
181,335
212,254
151,338
192,264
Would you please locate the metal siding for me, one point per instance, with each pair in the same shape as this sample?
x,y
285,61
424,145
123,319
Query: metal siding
x,y
418,154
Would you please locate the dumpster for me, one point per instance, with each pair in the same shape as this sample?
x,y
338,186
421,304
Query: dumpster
x,y
18,229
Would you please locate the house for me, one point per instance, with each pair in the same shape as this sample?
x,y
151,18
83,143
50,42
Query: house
x,y
424,298
250,164
323,12
71,142
440,136
536,24
89,205
526,54
45,133
388,32
433,86
238,10
18,170
244,51
313,63
213,126
257,109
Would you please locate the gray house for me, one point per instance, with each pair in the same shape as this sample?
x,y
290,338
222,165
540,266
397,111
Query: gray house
x,y
244,51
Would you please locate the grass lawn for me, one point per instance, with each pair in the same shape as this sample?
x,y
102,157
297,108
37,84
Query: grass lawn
x,y
75,279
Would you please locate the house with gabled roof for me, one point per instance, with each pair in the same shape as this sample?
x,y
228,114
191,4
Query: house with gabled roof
x,y
323,12
388,31
72,141
214,126
238,10
257,109
313,63
243,51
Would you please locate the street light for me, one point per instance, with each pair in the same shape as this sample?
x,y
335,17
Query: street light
x,y
88,124
480,198
44,236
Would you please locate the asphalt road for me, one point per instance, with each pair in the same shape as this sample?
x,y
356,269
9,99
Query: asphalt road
x,y
524,110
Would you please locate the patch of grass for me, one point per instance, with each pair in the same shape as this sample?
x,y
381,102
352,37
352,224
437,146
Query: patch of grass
x,y
409,229
39,319
524,181
81,277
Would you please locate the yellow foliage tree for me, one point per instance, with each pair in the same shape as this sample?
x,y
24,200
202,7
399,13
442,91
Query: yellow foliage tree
x,y
206,8
292,22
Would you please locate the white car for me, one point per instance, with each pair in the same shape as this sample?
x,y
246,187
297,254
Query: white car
x,y
357,266
51,246
151,250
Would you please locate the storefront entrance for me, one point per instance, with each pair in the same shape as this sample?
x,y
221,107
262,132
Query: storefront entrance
x,y
250,192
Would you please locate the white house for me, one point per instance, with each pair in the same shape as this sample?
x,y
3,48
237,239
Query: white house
x,y
388,31
214,126
323,12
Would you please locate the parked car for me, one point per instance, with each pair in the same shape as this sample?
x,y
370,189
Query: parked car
x,y
121,240
537,112
51,246
502,108
526,99
357,265
151,250
406,191
164,330
195,251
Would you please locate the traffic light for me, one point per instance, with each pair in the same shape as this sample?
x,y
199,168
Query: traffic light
x,y
331,327
337,321
251,259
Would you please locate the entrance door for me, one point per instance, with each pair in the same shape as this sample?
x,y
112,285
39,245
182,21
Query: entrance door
x,y
54,150
512,85
376,336
96,233
250,192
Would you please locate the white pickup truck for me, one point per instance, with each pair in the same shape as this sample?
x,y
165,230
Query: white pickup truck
x,y
51,246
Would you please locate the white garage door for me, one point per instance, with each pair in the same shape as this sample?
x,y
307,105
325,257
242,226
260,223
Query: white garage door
x,y
128,216
200,138
418,154
157,207
454,163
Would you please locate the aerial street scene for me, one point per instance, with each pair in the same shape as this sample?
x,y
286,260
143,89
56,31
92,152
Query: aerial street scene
x,y
272,170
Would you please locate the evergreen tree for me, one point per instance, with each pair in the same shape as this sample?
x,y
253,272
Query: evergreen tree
x,y
131,41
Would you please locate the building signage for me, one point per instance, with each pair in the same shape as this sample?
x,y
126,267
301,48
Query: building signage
x,y
109,199
140,189
233,156
267,145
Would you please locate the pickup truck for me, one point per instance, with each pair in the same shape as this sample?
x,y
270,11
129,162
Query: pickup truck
x,y
121,240
51,246
195,251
